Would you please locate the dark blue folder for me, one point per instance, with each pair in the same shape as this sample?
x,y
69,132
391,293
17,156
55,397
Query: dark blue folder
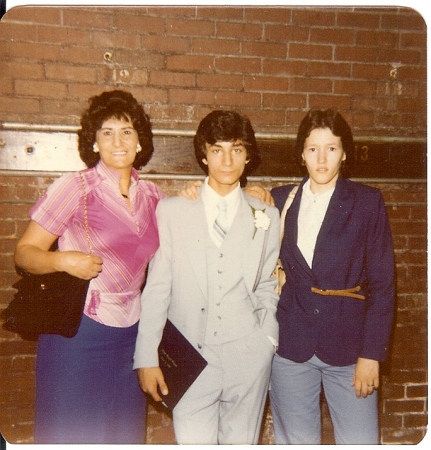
x,y
180,362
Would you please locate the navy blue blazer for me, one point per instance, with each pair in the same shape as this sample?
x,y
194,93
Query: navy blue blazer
x,y
353,248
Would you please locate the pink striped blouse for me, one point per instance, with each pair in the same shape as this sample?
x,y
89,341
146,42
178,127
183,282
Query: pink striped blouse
x,y
125,237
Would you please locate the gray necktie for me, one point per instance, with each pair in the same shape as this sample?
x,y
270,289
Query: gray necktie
x,y
220,226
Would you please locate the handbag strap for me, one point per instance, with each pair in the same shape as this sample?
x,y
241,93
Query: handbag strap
x,y
286,206
87,232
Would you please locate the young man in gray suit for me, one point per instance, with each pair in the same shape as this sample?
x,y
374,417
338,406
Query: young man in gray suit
x,y
212,277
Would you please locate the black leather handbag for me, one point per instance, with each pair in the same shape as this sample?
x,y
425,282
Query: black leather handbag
x,y
48,304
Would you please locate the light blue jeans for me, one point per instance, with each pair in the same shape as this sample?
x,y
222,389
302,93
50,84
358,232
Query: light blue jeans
x,y
295,403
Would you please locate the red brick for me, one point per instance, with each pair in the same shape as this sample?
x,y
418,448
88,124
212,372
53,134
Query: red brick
x,y
413,40
41,88
137,59
328,70
190,27
65,35
191,96
238,99
17,31
272,14
190,63
216,46
356,19
354,87
286,33
172,79
357,54
332,36
36,52
34,14
284,67
29,71
172,11
310,85
411,406
208,80
239,65
165,44
239,30
268,117
379,38
362,120
70,73
88,17
278,100
371,71
417,391
148,24
410,21
310,16
264,49
310,51
266,83
9,105
108,39
221,13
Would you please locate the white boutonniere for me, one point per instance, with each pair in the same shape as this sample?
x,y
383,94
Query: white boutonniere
x,y
261,219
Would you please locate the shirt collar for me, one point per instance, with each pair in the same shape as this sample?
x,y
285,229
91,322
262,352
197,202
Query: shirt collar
x,y
211,196
311,196
113,176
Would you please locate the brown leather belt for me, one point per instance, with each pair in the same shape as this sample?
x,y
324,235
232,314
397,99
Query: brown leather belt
x,y
340,292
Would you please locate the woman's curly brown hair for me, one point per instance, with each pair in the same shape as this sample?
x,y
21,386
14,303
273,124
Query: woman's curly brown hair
x,y
121,105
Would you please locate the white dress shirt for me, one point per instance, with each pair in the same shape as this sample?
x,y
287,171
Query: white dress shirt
x,y
311,214
211,198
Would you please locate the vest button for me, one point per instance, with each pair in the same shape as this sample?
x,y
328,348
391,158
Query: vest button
x,y
316,311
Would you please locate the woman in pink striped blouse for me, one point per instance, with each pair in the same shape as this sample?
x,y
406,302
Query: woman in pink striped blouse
x,y
86,390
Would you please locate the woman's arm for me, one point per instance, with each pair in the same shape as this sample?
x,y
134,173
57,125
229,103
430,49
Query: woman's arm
x,y
32,254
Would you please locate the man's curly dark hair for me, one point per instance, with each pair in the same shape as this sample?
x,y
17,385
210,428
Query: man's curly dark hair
x,y
121,105
226,126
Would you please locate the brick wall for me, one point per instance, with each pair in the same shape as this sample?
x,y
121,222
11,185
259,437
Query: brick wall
x,y
404,386
271,63
182,62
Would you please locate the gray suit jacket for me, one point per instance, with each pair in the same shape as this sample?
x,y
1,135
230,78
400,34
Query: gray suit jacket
x,y
176,287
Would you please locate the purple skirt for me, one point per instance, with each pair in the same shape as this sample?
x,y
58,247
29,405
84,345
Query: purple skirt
x,y
86,389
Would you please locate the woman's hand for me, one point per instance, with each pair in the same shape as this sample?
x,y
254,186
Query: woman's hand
x,y
261,194
79,264
366,377
191,191
32,254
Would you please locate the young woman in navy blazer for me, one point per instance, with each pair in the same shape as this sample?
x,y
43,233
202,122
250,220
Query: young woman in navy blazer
x,y
336,308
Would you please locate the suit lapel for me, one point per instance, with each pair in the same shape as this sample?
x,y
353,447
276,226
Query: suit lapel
x,y
242,231
194,232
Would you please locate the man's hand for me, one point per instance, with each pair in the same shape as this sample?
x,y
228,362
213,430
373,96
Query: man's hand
x,y
260,193
150,379
366,377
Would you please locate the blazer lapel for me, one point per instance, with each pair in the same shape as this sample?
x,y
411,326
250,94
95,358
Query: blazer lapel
x,y
338,208
291,230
